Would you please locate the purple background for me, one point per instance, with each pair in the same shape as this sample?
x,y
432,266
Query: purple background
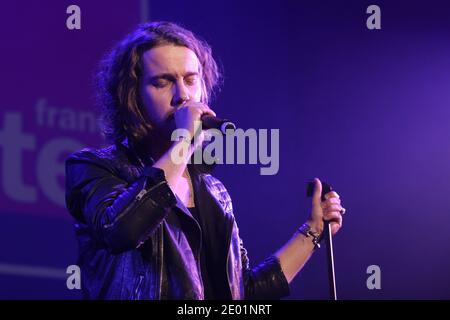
x,y
367,111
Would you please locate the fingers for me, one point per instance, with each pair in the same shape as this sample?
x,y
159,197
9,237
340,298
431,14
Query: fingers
x,y
188,116
334,216
331,201
331,194
333,211
317,192
335,221
335,227
198,108
329,210
332,204
332,198
332,207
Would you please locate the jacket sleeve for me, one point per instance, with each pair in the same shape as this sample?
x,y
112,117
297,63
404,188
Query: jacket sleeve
x,y
265,281
121,215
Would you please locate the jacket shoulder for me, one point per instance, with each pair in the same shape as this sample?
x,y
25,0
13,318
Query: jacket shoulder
x,y
116,158
93,154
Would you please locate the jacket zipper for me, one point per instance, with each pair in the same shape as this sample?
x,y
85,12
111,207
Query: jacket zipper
x,y
200,248
230,229
134,204
199,266
136,291
161,246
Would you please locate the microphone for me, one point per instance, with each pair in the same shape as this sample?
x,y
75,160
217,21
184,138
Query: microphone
x,y
211,122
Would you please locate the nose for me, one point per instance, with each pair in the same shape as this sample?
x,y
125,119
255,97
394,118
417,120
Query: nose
x,y
180,95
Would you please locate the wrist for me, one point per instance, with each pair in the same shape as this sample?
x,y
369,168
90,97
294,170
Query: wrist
x,y
307,231
181,151
316,226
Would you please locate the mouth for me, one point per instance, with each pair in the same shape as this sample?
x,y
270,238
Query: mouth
x,y
170,116
169,123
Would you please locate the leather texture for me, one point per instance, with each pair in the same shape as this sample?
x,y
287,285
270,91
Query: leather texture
x,y
138,241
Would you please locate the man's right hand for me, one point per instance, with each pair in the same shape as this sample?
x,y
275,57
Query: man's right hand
x,y
188,116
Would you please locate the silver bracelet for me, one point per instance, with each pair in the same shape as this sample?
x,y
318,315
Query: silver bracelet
x,y
305,230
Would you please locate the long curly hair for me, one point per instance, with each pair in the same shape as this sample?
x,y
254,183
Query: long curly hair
x,y
119,78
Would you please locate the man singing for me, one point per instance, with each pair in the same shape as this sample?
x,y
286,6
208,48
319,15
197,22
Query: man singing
x,y
152,228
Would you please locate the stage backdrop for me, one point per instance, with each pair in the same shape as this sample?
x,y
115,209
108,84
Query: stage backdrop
x,y
47,111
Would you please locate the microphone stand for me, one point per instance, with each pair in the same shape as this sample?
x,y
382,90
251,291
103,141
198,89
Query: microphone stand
x,y
330,260
327,236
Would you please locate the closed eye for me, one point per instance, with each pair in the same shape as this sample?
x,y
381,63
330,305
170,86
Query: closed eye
x,y
160,83
191,80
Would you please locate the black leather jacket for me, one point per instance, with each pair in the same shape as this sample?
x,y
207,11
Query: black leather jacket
x,y
129,249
